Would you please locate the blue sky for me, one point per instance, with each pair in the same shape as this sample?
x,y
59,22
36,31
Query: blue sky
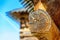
x,y
9,29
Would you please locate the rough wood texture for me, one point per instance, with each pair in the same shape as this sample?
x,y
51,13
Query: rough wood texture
x,y
53,8
49,31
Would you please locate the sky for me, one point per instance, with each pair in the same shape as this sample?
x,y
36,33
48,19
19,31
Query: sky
x,y
9,29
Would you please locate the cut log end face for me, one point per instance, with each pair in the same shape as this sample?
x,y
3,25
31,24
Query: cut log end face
x,y
39,20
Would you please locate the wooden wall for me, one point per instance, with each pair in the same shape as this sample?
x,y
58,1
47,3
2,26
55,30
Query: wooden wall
x,y
53,8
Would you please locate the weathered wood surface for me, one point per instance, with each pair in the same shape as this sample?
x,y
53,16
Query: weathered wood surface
x,y
53,8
